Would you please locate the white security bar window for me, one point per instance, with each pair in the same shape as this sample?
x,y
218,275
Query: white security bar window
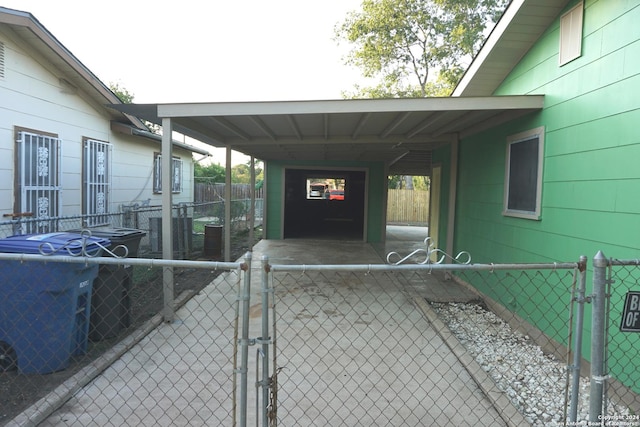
x,y
523,175
38,174
176,174
96,172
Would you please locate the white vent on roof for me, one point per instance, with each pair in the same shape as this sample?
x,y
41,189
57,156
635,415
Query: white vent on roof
x,y
1,60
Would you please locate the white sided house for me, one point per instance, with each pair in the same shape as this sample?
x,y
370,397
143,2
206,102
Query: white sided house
x,y
63,152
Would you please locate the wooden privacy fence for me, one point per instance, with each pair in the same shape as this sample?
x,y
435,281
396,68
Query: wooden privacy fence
x,y
410,206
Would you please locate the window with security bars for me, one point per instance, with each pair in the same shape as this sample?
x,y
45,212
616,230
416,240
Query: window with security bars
x,y
38,178
523,174
96,172
176,174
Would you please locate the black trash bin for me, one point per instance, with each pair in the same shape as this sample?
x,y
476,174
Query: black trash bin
x,y
213,240
111,301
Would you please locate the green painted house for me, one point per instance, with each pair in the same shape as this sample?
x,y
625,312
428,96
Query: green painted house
x,y
563,181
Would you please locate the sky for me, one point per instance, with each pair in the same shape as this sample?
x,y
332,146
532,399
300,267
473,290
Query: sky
x,y
206,50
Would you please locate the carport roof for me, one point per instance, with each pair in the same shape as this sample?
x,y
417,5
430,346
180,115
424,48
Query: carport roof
x,y
400,132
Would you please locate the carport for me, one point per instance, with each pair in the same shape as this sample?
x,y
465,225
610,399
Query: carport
x,y
335,137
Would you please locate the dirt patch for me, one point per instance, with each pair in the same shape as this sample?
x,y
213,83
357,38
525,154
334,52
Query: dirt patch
x,y
19,391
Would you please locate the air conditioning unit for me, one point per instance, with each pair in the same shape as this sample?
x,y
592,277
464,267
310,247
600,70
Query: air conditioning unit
x,y
182,236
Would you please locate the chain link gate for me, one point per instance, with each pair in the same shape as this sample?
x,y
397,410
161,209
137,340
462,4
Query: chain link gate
x,y
360,345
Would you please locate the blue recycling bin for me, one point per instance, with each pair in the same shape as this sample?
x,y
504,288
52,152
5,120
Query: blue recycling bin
x,y
45,307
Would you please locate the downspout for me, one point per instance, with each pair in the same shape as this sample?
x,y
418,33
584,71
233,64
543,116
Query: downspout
x,y
167,218
453,188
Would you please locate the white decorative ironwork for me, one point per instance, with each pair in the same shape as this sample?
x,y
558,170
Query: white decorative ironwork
x,y
43,161
100,163
429,253
100,203
82,246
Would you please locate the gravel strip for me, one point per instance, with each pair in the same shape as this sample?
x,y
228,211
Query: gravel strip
x,y
533,381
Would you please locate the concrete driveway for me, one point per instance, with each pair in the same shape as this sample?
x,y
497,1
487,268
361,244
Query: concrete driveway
x,y
149,388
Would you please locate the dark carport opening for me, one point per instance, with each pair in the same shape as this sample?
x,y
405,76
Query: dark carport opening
x,y
324,204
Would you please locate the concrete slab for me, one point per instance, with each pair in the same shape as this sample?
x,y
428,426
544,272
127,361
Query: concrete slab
x,y
149,384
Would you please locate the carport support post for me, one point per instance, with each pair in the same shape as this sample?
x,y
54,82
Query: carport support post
x,y
597,339
252,205
453,189
227,207
167,219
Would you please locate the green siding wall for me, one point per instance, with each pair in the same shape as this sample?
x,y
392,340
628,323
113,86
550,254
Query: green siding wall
x,y
375,197
592,150
591,176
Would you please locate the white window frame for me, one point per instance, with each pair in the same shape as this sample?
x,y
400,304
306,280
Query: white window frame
x,y
571,34
511,180
176,176
39,177
97,178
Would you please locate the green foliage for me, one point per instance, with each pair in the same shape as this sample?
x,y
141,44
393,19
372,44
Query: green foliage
x,y
122,93
215,173
400,41
239,209
212,173
399,182
241,174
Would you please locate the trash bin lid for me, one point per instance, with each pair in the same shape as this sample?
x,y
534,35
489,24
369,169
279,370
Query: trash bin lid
x,y
117,232
62,243
114,233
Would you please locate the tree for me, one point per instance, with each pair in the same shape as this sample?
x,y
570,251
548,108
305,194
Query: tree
x,y
122,93
399,182
127,98
212,173
241,173
403,42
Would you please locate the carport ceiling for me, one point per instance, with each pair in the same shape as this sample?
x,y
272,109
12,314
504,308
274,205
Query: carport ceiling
x,y
400,132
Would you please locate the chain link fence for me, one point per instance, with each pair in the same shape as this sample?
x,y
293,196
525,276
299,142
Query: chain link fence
x,y
91,332
190,221
622,341
86,340
521,332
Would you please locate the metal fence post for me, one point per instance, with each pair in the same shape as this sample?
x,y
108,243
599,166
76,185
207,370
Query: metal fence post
x,y
597,338
577,346
265,340
244,339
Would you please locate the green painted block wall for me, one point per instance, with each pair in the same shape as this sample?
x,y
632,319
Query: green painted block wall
x,y
591,176
377,186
